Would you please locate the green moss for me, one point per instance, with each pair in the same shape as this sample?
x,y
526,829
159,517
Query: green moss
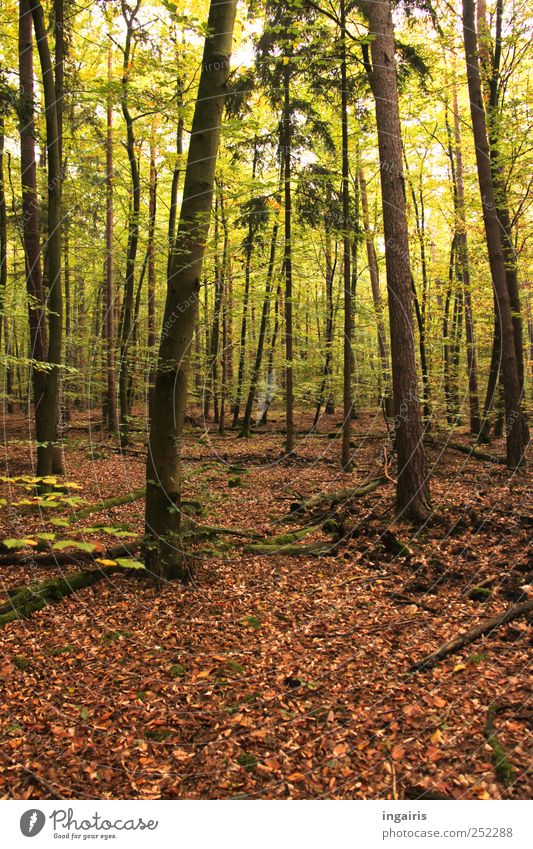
x,y
248,761
21,662
480,594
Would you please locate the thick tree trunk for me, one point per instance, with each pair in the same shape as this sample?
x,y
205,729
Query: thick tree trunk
x,y
412,495
163,549
47,415
516,425
383,347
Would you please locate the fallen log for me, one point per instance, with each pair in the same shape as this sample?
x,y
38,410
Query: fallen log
x,y
469,450
317,549
109,503
64,558
453,646
25,600
338,497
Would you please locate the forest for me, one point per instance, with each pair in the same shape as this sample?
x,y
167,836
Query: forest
x,y
266,360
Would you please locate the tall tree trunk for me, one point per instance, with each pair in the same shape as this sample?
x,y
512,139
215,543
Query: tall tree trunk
x,y
412,495
347,248
287,261
516,425
491,63
248,250
212,362
48,412
247,419
163,487
270,378
325,385
383,347
133,231
420,303
110,403
3,229
152,211
173,207
462,248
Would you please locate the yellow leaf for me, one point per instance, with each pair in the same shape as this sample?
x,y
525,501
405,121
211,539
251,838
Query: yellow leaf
x,y
103,562
459,667
31,542
204,674
437,737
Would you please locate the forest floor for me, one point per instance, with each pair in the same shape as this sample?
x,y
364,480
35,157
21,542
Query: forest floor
x,y
273,676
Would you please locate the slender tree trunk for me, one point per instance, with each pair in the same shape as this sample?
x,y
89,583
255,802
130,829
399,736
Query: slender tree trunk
x,y
270,378
462,248
383,347
133,233
163,487
287,262
152,210
516,425
3,230
491,63
110,397
412,496
176,174
346,243
248,251
325,385
247,419
212,363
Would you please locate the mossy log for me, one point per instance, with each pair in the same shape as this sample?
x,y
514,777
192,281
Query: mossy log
x,y
455,645
64,558
469,450
333,498
110,503
317,549
25,600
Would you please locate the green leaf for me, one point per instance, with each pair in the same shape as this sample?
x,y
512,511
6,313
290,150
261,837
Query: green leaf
x,y
65,543
60,523
129,563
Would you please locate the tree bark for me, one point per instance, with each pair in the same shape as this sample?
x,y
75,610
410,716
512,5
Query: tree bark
x,y
383,347
164,556
47,416
412,494
133,231
462,248
516,425
287,262
346,461
247,418
110,398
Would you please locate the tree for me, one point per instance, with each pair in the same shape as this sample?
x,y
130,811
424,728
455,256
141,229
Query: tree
x,y
516,425
412,494
163,551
